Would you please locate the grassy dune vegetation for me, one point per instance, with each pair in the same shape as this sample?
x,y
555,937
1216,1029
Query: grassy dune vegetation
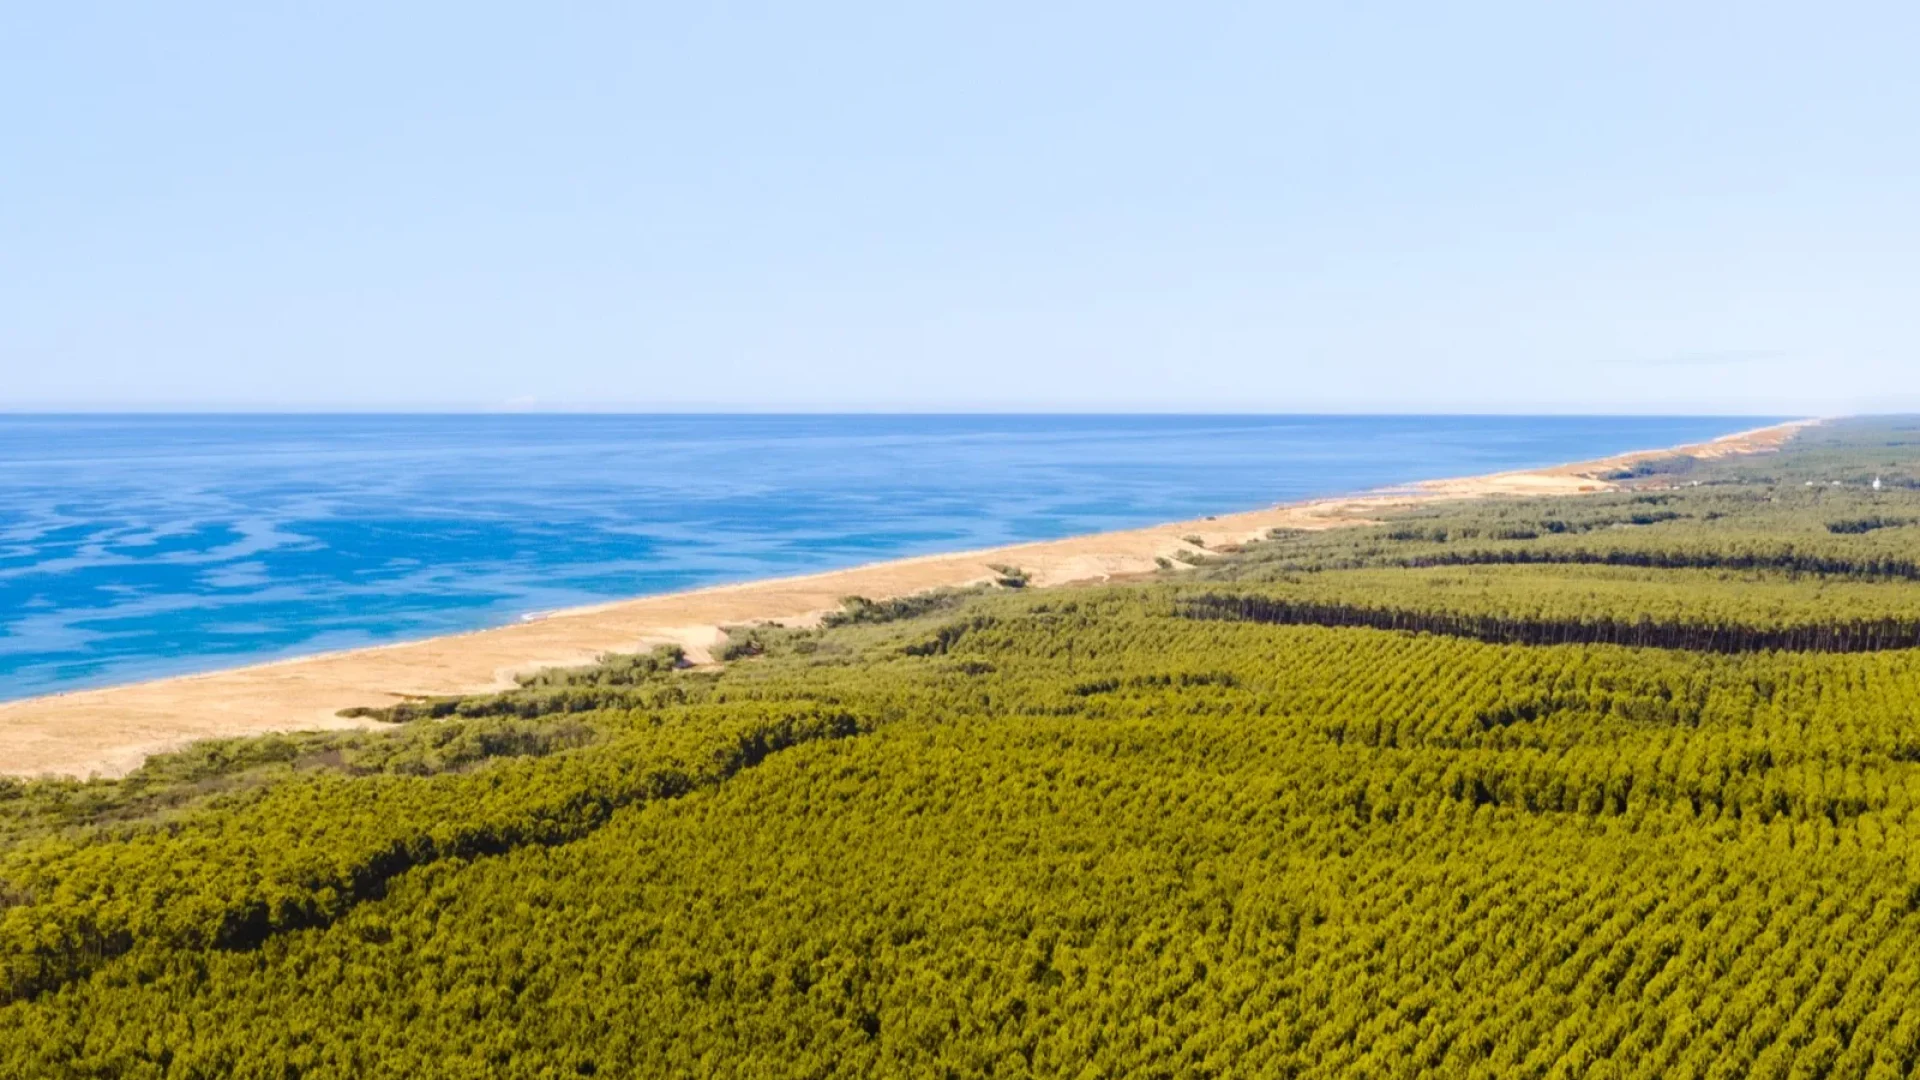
x,y
1148,829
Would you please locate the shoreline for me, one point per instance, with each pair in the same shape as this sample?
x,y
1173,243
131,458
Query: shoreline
x,y
109,731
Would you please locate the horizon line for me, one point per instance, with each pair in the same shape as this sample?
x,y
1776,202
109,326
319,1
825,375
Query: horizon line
x,y
7,411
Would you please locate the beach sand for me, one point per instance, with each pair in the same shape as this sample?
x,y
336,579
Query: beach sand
x,y
109,732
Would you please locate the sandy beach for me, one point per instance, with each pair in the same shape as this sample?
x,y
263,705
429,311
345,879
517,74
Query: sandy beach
x,y
109,732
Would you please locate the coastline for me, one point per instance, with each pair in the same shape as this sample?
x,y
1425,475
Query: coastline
x,y
110,731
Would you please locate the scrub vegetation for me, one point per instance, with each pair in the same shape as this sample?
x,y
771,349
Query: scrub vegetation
x,y
1625,784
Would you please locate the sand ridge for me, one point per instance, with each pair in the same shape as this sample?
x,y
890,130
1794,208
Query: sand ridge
x,y
109,732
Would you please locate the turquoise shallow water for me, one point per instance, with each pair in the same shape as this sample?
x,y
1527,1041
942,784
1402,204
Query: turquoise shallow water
x,y
138,546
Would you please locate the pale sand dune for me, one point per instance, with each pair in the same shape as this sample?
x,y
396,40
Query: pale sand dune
x,y
109,732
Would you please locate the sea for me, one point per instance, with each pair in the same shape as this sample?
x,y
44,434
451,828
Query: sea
x,y
139,546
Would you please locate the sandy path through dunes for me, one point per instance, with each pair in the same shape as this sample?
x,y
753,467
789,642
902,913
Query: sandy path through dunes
x,y
111,731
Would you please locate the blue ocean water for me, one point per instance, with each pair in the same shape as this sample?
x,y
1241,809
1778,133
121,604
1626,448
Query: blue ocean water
x,y
139,546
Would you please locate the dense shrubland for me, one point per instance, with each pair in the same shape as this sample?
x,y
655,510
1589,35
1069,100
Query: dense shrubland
x,y
1074,832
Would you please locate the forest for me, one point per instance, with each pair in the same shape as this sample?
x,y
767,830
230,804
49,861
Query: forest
x,y
1617,784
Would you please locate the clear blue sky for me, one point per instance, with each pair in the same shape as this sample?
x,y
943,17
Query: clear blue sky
x,y
1398,207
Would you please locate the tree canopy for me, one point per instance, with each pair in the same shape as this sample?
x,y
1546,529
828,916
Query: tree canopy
x,y
1129,830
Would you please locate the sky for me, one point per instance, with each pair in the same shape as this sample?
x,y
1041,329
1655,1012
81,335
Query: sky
x,y
1367,207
